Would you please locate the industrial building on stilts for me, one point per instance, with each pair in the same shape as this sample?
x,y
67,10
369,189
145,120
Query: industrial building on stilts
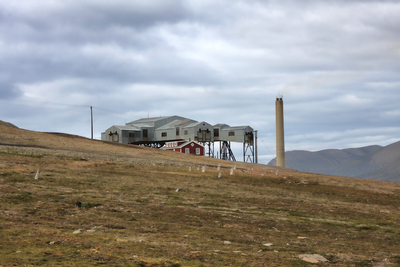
x,y
158,131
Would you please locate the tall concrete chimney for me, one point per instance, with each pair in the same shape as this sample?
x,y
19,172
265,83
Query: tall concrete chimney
x,y
280,138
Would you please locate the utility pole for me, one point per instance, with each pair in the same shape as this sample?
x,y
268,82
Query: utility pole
x,y
256,152
91,119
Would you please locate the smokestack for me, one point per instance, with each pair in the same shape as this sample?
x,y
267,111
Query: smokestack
x,y
280,139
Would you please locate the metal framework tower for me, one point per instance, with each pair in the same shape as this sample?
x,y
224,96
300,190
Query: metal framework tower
x,y
209,151
248,147
225,151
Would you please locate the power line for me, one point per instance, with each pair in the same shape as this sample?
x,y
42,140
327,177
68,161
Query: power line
x,y
55,105
108,110
269,150
38,103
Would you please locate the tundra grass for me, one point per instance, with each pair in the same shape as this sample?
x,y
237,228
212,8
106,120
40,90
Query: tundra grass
x,y
144,215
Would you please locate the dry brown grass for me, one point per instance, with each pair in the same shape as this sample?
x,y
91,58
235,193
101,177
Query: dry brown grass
x,y
131,214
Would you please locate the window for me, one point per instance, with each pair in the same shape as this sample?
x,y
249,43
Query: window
x,y
185,132
145,133
197,151
216,132
177,130
231,134
187,150
164,134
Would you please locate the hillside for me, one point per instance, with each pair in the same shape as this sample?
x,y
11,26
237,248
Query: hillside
x,y
372,162
98,203
7,124
389,172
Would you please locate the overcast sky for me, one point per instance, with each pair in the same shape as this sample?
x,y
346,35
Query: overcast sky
x,y
336,64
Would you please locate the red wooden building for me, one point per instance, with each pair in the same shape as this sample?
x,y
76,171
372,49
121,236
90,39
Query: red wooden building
x,y
188,147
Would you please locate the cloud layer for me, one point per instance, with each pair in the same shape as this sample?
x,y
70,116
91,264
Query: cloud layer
x,y
336,63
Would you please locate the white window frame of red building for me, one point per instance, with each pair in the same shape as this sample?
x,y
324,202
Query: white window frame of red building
x,y
197,150
187,150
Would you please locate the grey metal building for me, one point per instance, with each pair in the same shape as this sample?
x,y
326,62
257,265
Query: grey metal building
x,y
154,132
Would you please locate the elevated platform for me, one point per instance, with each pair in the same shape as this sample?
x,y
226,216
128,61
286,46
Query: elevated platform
x,y
155,132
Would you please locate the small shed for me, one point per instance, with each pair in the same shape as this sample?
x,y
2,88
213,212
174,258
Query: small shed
x,y
187,147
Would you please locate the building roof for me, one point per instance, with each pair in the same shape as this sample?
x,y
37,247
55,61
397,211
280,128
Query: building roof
x,y
141,125
126,128
192,124
234,128
195,123
170,125
152,121
148,120
185,121
176,121
221,125
183,145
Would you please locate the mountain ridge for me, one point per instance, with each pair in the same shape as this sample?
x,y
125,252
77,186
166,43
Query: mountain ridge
x,y
370,162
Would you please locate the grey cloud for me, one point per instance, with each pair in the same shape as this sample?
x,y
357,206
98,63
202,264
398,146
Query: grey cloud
x,y
93,15
8,91
335,62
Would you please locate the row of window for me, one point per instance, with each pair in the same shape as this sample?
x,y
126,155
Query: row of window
x,y
216,133
185,132
164,134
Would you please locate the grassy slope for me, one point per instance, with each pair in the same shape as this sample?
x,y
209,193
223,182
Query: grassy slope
x,y
132,216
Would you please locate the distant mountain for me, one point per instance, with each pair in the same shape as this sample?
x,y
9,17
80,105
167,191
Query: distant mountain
x,y
390,172
371,162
